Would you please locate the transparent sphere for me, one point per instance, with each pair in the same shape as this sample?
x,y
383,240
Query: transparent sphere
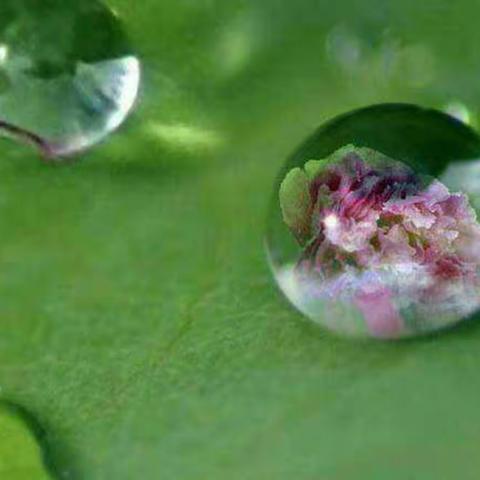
x,y
68,77
373,229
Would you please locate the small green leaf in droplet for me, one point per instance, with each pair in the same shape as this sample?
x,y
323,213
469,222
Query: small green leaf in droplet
x,y
295,203
314,167
20,454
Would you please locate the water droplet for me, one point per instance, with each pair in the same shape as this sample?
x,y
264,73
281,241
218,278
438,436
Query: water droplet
x,y
373,228
68,76
22,456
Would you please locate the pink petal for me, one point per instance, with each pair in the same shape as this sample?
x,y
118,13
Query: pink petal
x,y
379,312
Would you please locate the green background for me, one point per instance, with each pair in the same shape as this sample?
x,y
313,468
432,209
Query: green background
x,y
139,320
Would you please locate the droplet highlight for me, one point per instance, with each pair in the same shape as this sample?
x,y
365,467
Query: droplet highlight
x,y
370,232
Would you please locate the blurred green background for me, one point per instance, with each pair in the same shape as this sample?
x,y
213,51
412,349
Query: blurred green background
x,y
139,320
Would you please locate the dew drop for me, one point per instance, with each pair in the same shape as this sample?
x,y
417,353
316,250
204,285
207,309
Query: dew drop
x,y
373,228
68,77
22,455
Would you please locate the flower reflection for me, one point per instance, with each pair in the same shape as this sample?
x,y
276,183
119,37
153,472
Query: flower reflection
x,y
398,247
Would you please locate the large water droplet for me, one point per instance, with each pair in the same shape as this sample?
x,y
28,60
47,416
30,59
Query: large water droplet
x,y
68,76
21,454
373,228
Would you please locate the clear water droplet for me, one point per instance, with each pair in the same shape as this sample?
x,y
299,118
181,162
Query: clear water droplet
x,y
68,77
373,228
22,454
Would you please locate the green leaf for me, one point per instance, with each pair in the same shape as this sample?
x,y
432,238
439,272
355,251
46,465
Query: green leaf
x,y
138,314
314,167
295,203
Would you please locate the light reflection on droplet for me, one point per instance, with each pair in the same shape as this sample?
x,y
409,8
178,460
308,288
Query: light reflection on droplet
x,y
459,111
465,177
3,53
